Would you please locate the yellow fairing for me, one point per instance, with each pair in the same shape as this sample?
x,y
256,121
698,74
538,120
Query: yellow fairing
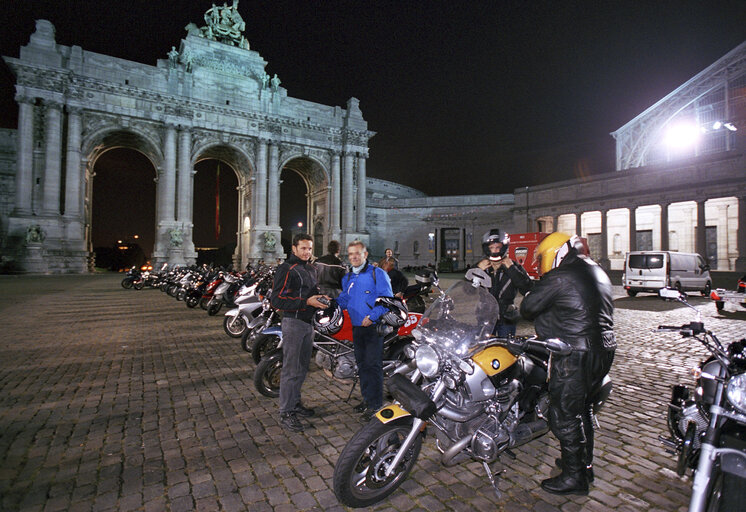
x,y
493,360
390,413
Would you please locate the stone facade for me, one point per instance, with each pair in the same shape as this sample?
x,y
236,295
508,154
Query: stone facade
x,y
208,99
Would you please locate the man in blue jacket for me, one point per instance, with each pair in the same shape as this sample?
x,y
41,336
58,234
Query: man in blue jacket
x,y
360,289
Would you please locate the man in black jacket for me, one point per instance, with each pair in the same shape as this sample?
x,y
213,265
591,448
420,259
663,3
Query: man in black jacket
x,y
296,294
508,278
330,271
572,302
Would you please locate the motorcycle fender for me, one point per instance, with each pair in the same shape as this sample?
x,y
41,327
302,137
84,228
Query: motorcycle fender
x,y
391,413
232,312
276,330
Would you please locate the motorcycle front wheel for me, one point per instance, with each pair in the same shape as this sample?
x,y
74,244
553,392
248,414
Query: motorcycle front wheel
x,y
181,294
267,374
360,473
127,283
191,301
203,302
138,285
234,326
262,345
727,492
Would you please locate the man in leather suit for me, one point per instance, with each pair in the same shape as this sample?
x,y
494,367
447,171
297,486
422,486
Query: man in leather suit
x,y
572,302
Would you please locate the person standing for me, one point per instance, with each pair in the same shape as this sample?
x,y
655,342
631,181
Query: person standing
x,y
360,289
296,295
389,255
508,278
399,281
572,302
330,270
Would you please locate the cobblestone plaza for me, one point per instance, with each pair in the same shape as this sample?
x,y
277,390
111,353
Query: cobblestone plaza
x,y
114,399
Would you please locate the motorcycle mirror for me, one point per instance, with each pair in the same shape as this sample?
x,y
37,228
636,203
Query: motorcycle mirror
x,y
479,277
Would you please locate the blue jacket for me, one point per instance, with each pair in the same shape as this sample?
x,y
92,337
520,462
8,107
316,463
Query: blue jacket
x,y
360,291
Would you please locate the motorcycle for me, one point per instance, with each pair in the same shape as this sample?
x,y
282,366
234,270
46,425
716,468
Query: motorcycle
x,y
708,427
482,395
335,353
248,302
133,279
258,339
414,294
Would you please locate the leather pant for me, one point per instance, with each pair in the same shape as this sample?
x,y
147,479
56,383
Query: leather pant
x,y
572,382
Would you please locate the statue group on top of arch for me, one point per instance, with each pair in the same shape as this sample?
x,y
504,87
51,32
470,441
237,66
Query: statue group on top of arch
x,y
224,24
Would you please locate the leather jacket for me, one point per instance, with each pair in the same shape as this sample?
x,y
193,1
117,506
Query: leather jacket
x,y
573,302
329,272
506,282
294,282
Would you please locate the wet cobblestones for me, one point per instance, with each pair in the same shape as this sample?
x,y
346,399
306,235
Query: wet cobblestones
x,y
114,399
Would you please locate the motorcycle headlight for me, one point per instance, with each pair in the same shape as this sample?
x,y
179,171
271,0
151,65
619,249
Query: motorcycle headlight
x,y
736,392
428,361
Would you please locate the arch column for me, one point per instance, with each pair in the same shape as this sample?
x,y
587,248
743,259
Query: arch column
x,y
578,224
73,214
741,235
664,226
273,185
361,190
52,158
604,260
700,242
336,189
259,213
185,194
633,228
25,158
348,221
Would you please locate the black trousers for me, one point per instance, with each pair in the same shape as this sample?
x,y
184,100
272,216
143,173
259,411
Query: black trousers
x,y
572,382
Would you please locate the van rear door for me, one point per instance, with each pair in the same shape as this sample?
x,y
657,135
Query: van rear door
x,y
646,271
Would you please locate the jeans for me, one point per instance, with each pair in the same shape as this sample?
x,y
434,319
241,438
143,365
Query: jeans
x,y
297,344
369,358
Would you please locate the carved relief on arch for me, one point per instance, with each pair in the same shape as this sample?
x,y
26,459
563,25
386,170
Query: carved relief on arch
x,y
102,132
233,155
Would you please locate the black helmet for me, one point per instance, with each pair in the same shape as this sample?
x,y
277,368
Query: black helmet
x,y
493,236
397,313
328,321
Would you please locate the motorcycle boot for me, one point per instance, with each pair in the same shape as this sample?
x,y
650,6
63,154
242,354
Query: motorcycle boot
x,y
573,479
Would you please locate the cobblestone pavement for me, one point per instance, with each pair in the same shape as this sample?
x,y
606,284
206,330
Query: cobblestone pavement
x,y
114,399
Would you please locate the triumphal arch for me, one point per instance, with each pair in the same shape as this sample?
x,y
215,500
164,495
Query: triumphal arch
x,y
211,98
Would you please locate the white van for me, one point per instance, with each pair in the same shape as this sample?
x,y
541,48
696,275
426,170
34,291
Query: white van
x,y
649,271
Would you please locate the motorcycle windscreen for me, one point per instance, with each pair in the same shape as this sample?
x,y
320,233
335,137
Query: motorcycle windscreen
x,y
459,319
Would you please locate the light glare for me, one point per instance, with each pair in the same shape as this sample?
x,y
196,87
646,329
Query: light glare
x,y
682,135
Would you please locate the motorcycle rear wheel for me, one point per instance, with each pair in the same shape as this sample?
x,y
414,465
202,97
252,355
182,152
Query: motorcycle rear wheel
x,y
234,326
359,475
212,309
127,283
181,294
171,290
267,374
191,301
262,345
203,303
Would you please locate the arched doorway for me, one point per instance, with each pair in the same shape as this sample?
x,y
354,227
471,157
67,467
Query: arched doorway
x,y
122,227
304,199
215,213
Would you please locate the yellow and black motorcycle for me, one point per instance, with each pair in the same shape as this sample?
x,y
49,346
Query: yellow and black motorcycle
x,y
483,396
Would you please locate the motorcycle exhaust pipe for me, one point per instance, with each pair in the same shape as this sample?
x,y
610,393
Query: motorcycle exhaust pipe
x,y
449,456
459,416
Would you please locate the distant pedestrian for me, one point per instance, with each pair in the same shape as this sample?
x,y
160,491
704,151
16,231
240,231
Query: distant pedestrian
x,y
296,295
330,271
389,255
399,281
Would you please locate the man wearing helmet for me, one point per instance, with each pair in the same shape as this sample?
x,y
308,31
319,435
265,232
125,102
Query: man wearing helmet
x,y
572,302
360,289
507,279
296,295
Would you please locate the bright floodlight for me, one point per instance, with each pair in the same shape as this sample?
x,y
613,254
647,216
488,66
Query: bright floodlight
x,y
300,224
682,135
716,125
731,127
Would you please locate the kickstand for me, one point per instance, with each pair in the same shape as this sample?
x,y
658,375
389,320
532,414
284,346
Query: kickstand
x,y
354,382
493,480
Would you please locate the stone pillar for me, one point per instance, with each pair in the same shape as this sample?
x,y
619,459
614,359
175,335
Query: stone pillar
x,y
578,224
361,186
555,223
336,188
259,213
664,226
185,179
73,166
167,181
633,228
701,242
348,221
52,158
25,157
273,185
604,260
741,235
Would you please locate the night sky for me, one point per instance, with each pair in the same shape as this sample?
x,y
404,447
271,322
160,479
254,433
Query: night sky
x,y
502,94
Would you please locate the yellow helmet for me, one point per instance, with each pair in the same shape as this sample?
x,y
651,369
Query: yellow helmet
x,y
552,250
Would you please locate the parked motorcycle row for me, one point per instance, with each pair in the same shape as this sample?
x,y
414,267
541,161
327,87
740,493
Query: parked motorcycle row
x,y
481,396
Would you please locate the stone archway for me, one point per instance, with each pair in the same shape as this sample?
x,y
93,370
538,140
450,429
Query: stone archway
x,y
94,146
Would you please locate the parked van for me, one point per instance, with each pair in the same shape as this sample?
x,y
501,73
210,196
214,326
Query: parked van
x,y
649,271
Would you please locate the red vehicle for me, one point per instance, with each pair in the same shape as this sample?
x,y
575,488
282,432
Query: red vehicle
x,y
522,246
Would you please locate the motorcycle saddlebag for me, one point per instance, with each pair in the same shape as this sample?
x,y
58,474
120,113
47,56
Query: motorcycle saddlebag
x,y
411,397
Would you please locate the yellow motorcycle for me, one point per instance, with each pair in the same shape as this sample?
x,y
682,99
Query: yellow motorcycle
x,y
482,395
